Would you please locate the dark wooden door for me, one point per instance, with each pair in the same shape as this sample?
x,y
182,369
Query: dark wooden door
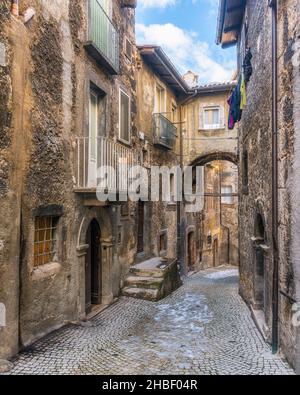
x,y
93,267
216,253
191,251
141,220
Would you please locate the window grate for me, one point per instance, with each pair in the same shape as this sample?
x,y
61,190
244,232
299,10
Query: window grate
x,y
45,240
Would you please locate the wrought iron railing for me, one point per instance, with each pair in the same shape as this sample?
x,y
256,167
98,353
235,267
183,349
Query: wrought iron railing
x,y
103,34
164,131
100,152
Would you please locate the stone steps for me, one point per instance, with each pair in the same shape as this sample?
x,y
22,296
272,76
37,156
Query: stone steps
x,y
152,279
133,281
141,293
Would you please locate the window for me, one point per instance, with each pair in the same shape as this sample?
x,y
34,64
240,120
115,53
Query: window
x,y
107,6
227,190
45,240
124,117
160,99
212,118
93,129
128,49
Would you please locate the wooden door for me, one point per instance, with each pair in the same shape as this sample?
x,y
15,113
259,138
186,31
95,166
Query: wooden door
x,y
93,267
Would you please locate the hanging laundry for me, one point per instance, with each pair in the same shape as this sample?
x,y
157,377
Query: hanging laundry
x,y
247,65
243,94
234,101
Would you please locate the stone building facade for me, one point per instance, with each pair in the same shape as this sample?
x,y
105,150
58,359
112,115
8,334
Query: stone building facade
x,y
75,97
207,141
269,163
62,86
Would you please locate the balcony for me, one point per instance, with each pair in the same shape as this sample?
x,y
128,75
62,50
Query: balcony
x,y
164,132
94,153
103,38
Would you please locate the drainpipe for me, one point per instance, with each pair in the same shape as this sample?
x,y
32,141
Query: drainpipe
x,y
275,299
15,7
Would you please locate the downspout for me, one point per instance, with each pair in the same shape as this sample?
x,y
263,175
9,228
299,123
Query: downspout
x,y
275,298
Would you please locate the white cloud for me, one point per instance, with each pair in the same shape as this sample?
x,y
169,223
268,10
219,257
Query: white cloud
x,y
156,3
186,51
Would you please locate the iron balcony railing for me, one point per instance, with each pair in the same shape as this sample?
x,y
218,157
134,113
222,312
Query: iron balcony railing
x,y
100,152
103,41
164,133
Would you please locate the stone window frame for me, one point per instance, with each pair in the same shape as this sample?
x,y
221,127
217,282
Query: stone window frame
x,y
163,87
224,186
54,211
212,127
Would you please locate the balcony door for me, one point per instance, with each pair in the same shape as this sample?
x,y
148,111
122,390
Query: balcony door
x,y
93,138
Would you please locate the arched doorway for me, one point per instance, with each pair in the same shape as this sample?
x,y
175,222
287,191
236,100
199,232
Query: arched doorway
x,y
259,263
93,266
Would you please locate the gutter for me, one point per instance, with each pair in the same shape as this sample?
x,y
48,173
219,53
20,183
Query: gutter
x,y
275,295
221,20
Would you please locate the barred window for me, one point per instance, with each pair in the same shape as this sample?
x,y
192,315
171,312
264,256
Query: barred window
x,y
45,240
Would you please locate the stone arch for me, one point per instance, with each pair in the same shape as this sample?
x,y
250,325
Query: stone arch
x,y
260,228
102,217
213,156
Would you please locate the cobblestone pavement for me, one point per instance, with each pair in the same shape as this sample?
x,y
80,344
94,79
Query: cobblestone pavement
x,y
202,328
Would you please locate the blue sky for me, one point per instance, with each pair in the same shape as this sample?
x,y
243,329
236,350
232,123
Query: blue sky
x,y
186,29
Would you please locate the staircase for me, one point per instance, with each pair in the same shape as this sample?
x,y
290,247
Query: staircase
x,y
152,280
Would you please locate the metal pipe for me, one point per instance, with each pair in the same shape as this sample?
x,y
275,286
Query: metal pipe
x,y
275,298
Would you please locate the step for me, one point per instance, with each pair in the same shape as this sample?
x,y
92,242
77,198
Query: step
x,y
144,282
141,293
154,267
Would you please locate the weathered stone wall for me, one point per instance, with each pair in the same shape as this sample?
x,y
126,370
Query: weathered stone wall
x,y
161,216
256,139
288,124
11,139
46,73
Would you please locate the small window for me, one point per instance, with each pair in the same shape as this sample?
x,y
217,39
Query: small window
x,y
45,241
212,118
128,49
124,117
227,194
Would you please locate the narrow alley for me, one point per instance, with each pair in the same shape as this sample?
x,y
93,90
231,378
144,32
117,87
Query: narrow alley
x,y
203,328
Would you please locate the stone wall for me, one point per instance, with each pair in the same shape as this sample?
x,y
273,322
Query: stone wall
x,y
256,141
47,73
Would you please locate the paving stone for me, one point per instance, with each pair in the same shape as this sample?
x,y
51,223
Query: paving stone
x,y
203,328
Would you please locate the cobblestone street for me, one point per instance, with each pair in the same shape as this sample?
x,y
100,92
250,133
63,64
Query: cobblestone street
x,y
203,328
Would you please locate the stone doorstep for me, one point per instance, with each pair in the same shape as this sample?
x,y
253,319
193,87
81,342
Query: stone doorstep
x,y
155,267
5,366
